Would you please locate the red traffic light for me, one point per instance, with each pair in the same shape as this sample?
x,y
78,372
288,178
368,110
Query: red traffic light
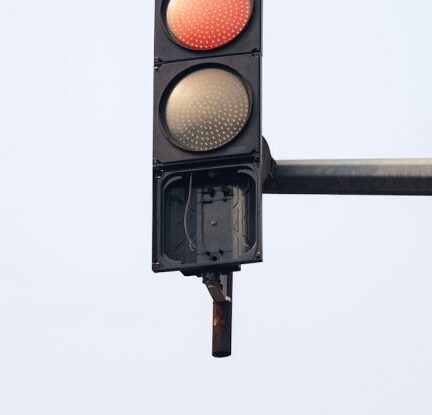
x,y
207,24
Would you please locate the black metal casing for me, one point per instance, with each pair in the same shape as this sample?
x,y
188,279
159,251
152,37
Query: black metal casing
x,y
226,225
248,67
207,205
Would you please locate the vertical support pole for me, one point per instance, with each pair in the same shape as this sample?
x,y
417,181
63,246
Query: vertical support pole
x,y
220,287
222,319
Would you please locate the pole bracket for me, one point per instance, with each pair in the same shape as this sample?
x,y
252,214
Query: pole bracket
x,y
218,287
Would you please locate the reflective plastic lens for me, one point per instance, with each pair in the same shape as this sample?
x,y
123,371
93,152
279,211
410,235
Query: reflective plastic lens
x,y
207,24
207,109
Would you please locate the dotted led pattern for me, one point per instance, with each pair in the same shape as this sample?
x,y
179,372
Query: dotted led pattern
x,y
207,24
207,109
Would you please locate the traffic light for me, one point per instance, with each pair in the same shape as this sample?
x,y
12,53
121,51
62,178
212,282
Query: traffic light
x,y
210,162
207,145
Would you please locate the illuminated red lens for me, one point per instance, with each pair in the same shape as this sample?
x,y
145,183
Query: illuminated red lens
x,y
207,24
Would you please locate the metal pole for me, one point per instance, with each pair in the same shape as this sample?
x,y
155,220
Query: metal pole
x,y
220,287
411,177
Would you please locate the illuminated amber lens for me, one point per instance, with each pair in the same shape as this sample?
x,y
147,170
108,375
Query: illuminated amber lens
x,y
207,109
207,24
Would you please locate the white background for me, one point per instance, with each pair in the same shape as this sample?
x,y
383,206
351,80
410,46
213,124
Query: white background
x,y
336,321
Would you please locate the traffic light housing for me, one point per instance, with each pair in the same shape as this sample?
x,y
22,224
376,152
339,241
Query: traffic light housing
x,y
207,141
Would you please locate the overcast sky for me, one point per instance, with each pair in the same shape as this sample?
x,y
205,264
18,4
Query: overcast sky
x,y
336,321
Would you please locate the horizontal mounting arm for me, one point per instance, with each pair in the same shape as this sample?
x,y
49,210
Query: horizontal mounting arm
x,y
411,177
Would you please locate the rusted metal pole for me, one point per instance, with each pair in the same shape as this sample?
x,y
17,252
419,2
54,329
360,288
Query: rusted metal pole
x,y
220,287
222,329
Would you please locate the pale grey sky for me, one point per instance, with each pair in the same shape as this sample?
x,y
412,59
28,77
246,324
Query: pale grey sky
x,y
336,321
